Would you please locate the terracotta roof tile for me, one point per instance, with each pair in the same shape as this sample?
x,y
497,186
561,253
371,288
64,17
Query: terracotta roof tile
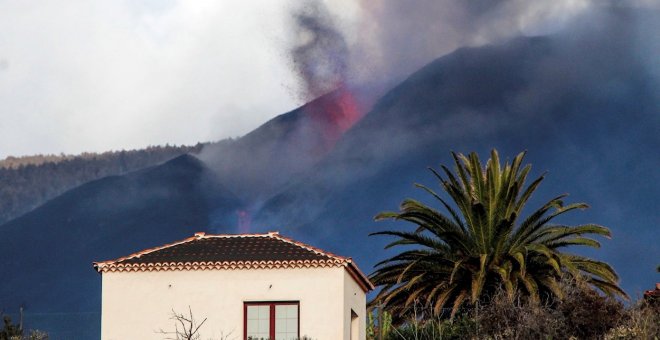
x,y
229,249
242,251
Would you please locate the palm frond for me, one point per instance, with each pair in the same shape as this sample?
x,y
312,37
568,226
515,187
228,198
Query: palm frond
x,y
478,241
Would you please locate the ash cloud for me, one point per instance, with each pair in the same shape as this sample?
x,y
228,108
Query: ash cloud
x,y
397,38
583,100
391,39
319,52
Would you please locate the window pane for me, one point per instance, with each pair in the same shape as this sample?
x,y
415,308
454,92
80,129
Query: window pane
x,y
252,326
292,311
286,322
292,325
258,321
252,312
280,325
264,326
280,311
264,312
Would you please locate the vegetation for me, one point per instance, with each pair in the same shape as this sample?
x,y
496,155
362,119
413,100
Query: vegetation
x,y
521,318
27,182
641,321
482,244
11,331
185,327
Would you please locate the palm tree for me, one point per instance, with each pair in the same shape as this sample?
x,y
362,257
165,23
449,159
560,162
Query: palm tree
x,y
483,244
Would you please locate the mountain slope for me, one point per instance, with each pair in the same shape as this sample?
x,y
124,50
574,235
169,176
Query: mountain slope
x,y
47,254
50,250
256,165
27,182
585,107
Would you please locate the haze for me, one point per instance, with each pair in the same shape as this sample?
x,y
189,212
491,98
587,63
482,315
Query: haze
x,y
95,76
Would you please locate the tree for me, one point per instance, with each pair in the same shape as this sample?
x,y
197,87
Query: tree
x,y
482,243
10,330
185,327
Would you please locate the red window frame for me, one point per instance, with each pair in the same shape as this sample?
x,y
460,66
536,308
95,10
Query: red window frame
x,y
272,305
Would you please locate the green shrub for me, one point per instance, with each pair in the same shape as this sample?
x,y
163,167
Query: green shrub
x,y
462,327
587,314
11,331
641,321
581,314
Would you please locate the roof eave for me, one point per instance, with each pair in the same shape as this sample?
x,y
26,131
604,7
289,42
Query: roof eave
x,y
360,278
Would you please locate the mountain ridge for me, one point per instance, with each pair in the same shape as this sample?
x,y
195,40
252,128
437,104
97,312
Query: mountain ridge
x,y
530,95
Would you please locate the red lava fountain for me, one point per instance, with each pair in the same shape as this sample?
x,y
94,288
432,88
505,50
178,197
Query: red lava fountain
x,y
348,113
334,114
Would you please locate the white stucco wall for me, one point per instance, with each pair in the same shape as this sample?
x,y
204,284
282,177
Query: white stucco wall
x,y
136,305
355,300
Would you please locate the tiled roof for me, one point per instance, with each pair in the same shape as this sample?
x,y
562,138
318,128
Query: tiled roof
x,y
653,294
242,251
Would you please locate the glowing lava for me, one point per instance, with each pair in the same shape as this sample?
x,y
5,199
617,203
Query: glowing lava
x,y
333,114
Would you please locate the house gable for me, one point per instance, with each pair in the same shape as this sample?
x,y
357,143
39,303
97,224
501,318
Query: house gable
x,y
254,285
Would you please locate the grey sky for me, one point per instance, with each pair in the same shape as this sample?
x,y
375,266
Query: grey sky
x,y
80,75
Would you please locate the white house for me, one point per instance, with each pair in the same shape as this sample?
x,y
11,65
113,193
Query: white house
x,y
245,286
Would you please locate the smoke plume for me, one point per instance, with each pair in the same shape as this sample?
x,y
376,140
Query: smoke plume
x,y
398,37
319,52
582,99
389,39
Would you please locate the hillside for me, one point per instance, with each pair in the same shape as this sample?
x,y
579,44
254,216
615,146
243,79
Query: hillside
x,y
584,105
103,219
587,118
118,215
257,165
29,181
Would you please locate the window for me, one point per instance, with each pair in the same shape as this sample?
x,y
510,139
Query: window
x,y
271,320
355,326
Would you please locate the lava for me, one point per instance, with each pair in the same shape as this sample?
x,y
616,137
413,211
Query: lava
x,y
333,114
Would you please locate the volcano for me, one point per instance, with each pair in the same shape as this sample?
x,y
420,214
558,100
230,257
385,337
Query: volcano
x,y
589,118
588,121
257,165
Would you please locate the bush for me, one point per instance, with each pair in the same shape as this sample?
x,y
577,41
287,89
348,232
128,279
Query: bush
x,y
518,318
11,331
642,321
587,314
462,327
582,314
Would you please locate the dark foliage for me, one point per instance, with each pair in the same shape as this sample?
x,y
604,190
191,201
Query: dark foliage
x,y
582,314
588,315
462,327
460,257
9,329
27,182
519,319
